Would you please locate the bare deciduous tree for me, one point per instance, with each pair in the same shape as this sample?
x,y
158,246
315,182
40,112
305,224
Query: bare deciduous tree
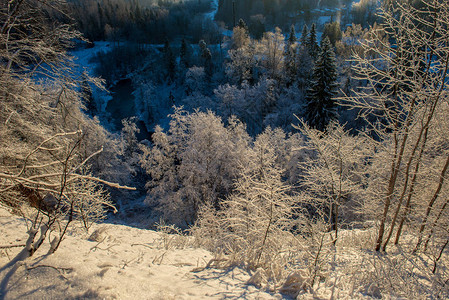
x,y
44,149
406,91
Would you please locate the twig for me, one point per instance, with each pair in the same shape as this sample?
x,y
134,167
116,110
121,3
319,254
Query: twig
x,y
12,246
142,245
105,249
126,262
160,258
96,246
213,260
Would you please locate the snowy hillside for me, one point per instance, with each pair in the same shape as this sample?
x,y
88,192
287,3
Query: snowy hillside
x,y
116,262
121,262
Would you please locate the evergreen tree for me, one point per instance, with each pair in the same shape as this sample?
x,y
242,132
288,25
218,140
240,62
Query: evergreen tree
x,y
242,25
312,44
304,67
321,108
304,61
206,57
169,61
304,36
333,32
292,36
184,54
290,57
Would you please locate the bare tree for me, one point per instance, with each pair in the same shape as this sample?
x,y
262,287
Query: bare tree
x,y
406,89
331,173
44,149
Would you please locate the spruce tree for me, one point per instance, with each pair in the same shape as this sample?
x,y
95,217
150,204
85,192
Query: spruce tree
x,y
242,25
312,44
304,36
206,57
290,57
292,36
184,55
169,61
321,108
333,32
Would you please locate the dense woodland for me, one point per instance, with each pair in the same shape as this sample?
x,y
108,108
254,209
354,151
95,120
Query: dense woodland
x,y
272,141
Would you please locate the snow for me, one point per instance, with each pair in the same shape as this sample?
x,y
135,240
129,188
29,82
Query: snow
x,y
84,55
82,58
323,20
211,15
120,262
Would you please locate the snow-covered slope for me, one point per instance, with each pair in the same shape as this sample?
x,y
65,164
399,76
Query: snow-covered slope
x,y
211,15
82,58
118,262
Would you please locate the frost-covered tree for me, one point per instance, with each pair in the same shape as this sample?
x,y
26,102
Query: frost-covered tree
x,y
46,145
254,222
251,104
195,80
242,57
240,37
402,105
148,105
321,107
242,64
332,173
270,52
193,164
230,100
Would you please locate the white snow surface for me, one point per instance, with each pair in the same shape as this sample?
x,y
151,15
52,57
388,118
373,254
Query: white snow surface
x,y
124,263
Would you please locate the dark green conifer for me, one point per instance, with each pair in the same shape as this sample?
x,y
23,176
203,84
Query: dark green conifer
x,y
242,25
290,57
312,43
333,32
321,107
304,36
184,55
169,61
206,57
